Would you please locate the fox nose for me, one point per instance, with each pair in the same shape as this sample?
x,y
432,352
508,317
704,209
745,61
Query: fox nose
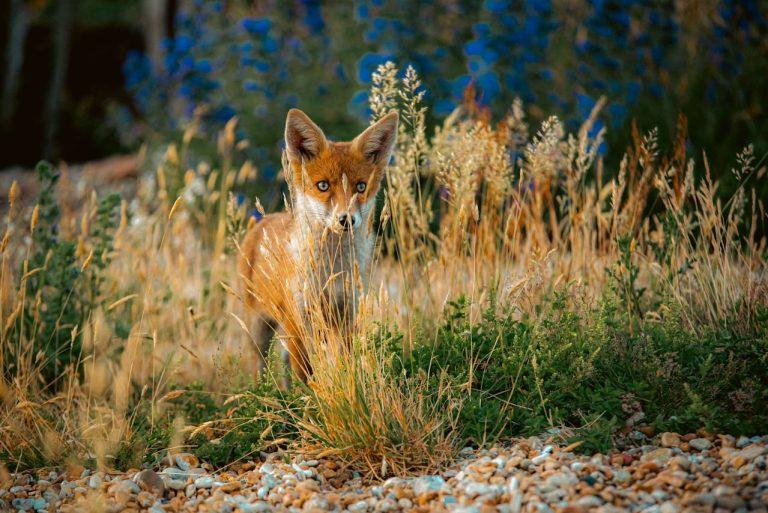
x,y
347,221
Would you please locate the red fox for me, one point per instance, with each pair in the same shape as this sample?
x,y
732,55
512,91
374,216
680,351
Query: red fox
x,y
323,244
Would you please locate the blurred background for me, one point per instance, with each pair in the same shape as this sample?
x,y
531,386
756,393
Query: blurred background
x,y
87,79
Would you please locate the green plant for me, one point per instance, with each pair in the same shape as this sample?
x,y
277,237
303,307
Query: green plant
x,y
585,368
59,290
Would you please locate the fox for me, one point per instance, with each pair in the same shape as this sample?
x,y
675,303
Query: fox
x,y
324,238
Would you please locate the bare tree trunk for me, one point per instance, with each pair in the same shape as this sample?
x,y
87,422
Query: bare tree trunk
x,y
62,35
18,23
155,13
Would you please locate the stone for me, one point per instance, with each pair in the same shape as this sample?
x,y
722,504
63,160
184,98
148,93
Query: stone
x,y
186,461
700,444
703,499
659,456
731,502
175,484
669,507
94,482
428,484
204,482
74,471
148,480
750,452
358,507
622,476
125,486
670,439
255,507
589,501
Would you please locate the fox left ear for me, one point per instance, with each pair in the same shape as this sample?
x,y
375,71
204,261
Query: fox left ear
x,y
378,140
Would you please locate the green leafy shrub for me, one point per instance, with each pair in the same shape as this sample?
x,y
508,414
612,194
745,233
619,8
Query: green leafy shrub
x,y
60,290
586,368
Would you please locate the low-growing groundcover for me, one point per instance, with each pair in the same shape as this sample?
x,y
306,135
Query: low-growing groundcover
x,y
588,369
583,370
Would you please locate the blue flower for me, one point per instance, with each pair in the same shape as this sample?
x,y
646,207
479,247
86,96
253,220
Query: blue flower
x,y
617,112
203,66
256,25
368,64
224,113
444,106
496,6
269,44
459,84
361,12
584,105
489,85
182,44
255,214
358,105
314,18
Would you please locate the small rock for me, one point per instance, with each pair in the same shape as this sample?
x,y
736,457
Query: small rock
x,y
125,486
669,507
731,502
670,439
358,507
700,444
256,507
703,499
186,461
660,456
74,471
148,480
622,476
204,482
428,484
175,484
94,482
589,501
750,452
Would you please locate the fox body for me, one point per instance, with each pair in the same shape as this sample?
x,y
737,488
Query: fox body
x,y
324,245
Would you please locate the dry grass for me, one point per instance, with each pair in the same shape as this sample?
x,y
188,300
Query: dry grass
x,y
460,217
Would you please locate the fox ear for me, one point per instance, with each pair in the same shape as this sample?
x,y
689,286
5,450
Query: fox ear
x,y
378,140
303,138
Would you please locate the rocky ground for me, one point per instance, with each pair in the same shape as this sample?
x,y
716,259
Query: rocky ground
x,y
680,473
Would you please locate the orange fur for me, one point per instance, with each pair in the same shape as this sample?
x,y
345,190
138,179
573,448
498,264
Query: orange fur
x,y
325,179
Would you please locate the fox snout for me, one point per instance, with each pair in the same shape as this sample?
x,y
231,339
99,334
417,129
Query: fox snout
x,y
347,221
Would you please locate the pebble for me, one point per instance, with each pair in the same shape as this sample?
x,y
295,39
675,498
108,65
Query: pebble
x,y
426,484
255,507
149,480
94,481
718,474
186,461
670,440
700,444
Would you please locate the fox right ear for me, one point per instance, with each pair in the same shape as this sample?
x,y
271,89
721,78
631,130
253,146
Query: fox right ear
x,y
303,138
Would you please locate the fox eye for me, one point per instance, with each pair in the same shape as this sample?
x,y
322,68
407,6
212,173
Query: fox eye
x,y
322,185
361,187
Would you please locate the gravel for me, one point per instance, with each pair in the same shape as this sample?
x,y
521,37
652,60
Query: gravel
x,y
690,473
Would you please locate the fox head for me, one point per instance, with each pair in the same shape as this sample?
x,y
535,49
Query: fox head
x,y
335,183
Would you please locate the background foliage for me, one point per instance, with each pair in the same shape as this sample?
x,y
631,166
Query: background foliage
x,y
650,59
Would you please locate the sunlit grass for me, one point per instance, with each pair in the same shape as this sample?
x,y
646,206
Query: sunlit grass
x,y
499,213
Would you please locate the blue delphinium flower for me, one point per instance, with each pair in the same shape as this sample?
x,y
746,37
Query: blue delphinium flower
x,y
256,25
